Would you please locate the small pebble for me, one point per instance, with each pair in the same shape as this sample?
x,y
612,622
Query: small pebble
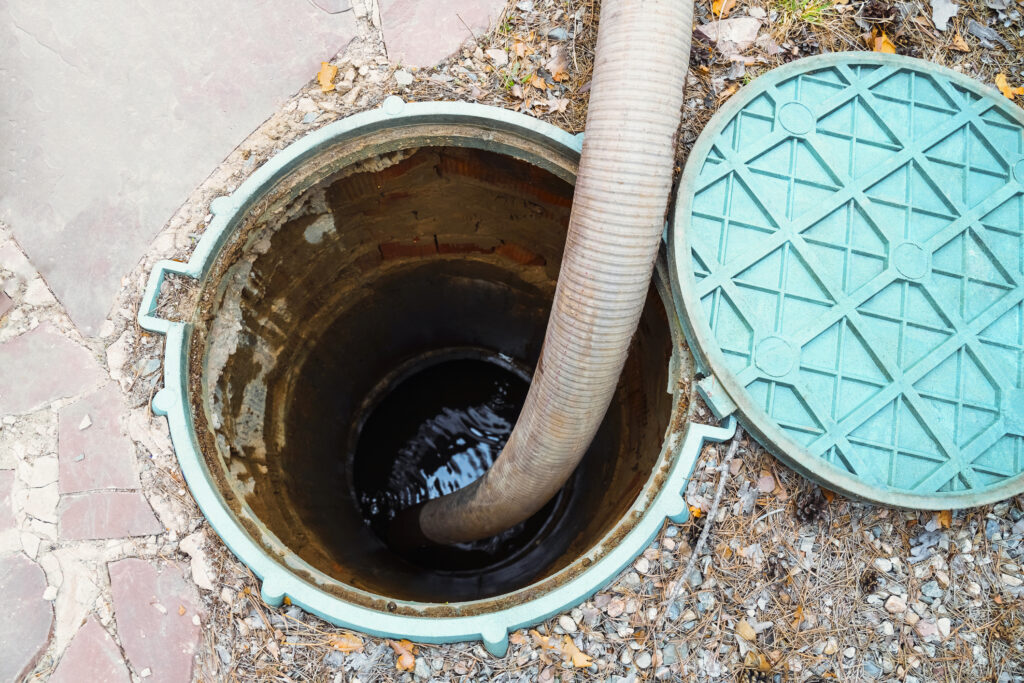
x,y
643,660
850,652
558,34
403,77
883,565
567,623
895,605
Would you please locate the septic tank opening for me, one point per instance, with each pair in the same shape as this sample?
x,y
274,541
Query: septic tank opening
x,y
377,308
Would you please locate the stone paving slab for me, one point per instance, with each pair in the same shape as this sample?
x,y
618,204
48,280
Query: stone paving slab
x,y
106,514
94,452
92,656
26,619
114,111
42,365
6,506
157,611
419,33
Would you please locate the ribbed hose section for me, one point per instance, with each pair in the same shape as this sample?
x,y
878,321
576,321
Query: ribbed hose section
x,y
618,215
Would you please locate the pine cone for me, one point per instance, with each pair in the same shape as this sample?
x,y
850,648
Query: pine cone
x,y
754,676
809,505
878,12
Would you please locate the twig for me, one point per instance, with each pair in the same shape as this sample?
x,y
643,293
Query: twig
x,y
723,476
466,26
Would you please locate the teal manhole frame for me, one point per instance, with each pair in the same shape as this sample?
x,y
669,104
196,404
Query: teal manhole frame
x,y
719,387
284,577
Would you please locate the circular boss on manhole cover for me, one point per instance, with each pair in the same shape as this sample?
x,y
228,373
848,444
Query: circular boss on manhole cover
x,y
848,256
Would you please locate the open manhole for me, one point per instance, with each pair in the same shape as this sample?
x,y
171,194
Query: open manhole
x,y
848,258
372,302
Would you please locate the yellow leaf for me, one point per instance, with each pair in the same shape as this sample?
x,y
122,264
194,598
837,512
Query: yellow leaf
x,y
326,76
287,600
181,610
959,43
721,8
696,512
756,660
798,618
406,652
1004,87
945,518
574,655
566,649
881,43
345,642
745,631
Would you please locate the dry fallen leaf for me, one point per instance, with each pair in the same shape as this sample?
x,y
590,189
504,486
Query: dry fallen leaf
x,y
881,43
538,82
181,610
798,618
959,43
573,654
557,105
558,65
721,8
745,631
728,92
1004,87
521,49
345,642
517,638
326,76
829,495
696,512
756,660
406,652
566,649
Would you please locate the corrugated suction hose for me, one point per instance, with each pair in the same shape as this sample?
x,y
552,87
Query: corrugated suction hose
x,y
618,214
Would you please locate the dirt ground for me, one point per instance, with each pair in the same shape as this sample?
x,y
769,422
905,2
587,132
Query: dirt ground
x,y
794,583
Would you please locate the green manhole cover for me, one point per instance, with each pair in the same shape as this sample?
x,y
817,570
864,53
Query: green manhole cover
x,y
849,260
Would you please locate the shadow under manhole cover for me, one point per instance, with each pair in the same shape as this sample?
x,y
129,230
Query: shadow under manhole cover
x,y
371,304
849,261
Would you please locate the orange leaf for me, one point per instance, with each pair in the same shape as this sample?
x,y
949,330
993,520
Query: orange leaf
x,y
566,649
558,65
326,76
181,610
538,82
1004,87
574,655
406,655
517,638
520,48
798,618
345,642
721,8
881,43
945,518
696,512
829,495
959,43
